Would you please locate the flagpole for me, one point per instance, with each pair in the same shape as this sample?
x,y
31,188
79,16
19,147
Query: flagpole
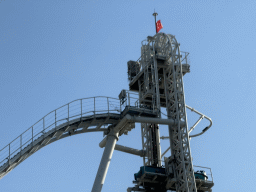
x,y
155,14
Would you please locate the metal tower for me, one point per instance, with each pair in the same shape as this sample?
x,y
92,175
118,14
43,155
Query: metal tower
x,y
158,77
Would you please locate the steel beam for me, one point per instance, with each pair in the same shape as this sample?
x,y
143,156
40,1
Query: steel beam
x,y
125,149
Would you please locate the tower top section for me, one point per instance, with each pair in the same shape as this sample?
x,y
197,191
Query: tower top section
x,y
162,48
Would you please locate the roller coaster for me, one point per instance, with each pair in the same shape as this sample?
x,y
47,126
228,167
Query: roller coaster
x,y
155,82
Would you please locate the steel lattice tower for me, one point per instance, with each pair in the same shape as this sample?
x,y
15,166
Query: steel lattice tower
x,y
159,81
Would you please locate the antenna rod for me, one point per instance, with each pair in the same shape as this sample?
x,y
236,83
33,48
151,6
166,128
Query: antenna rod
x,y
155,14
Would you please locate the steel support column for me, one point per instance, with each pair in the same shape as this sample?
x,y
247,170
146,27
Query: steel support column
x,y
105,161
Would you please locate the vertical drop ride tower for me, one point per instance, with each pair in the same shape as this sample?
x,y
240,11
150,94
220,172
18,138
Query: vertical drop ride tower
x,y
158,78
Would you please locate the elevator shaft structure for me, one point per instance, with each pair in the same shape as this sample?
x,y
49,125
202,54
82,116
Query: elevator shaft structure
x,y
158,77
149,97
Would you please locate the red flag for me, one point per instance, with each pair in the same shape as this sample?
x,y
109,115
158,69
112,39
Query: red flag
x,y
159,26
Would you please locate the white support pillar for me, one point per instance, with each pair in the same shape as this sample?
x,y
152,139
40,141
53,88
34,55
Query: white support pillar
x,y
105,161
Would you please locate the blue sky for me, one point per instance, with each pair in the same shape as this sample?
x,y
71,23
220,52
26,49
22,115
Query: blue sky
x,y
53,52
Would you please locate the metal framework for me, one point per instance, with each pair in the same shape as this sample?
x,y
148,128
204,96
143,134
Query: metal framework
x,y
156,81
176,109
164,50
160,84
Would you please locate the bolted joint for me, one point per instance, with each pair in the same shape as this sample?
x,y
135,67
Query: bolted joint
x,y
113,134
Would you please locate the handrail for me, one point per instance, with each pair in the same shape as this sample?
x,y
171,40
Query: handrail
x,y
186,56
207,174
63,114
132,99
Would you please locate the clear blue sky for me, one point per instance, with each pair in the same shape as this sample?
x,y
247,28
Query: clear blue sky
x,y
53,52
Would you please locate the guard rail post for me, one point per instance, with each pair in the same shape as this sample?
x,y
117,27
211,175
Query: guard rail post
x,y
20,144
32,135
108,106
43,126
81,109
55,120
68,112
9,153
94,107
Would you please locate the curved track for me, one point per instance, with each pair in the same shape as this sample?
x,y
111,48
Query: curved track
x,y
79,116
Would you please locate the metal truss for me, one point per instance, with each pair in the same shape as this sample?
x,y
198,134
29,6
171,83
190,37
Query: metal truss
x,y
160,84
149,97
147,144
176,110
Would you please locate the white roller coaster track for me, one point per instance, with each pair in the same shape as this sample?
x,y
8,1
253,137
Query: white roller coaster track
x,y
79,116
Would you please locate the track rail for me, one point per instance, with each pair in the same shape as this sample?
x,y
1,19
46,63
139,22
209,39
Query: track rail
x,y
78,116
